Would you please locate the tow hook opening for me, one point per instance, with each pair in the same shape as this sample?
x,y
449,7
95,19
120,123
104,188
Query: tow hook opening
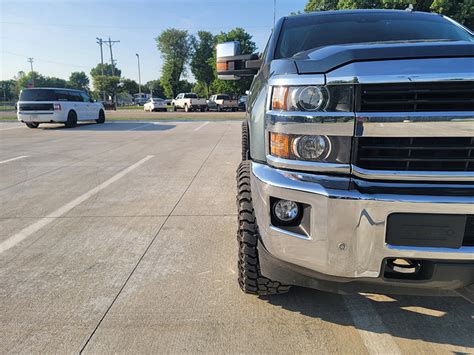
x,y
407,269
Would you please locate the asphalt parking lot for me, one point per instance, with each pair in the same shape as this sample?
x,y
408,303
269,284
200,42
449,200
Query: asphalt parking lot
x,y
121,238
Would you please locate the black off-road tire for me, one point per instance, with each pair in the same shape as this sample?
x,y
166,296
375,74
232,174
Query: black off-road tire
x,y
245,141
101,118
174,108
250,279
32,124
71,120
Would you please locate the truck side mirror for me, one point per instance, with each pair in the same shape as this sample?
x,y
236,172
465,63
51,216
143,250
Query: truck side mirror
x,y
231,65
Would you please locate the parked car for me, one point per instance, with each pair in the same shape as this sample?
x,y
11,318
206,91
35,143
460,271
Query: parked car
x,y
357,171
243,102
155,104
222,102
188,102
52,105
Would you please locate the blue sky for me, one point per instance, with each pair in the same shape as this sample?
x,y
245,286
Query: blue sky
x,y
60,35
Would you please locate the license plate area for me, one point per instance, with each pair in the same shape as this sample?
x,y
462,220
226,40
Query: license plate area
x,y
426,230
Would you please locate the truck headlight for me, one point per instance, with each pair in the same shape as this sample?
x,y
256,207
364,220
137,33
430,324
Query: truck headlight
x,y
312,98
317,148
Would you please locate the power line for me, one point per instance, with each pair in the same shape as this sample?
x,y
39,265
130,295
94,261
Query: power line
x,y
126,27
44,60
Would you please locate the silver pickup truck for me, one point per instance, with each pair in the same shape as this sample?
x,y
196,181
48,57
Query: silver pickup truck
x,y
358,155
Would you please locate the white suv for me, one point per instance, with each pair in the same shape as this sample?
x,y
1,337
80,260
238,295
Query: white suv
x,y
51,105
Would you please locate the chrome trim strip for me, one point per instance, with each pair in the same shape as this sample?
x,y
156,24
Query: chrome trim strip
x,y
308,166
415,124
412,175
295,80
403,71
34,113
469,250
326,123
291,180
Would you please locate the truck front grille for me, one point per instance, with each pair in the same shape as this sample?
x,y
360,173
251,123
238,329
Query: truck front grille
x,y
415,154
416,97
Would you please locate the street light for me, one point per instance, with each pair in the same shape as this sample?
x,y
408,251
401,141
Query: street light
x,y
139,77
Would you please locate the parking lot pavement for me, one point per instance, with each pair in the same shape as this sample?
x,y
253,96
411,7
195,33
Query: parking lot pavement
x,y
121,238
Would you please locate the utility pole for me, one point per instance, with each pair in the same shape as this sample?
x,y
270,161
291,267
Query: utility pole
x,y
139,76
100,43
110,43
30,60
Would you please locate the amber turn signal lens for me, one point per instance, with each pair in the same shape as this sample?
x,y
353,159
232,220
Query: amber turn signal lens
x,y
279,98
280,145
222,66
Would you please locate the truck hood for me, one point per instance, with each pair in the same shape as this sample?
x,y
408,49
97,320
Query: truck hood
x,y
325,59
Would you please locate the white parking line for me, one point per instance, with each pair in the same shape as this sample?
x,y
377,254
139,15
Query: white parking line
x,y
370,326
13,159
26,232
201,126
148,124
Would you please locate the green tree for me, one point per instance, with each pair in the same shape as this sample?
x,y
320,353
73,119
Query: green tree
x,y
175,48
460,10
129,86
107,84
321,5
247,46
200,89
185,86
155,88
78,80
201,64
8,90
40,81
107,68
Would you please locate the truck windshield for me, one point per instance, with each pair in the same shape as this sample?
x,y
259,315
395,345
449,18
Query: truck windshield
x,y
190,96
223,97
302,33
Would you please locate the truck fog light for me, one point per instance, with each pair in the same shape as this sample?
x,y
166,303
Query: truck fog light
x,y
286,211
311,147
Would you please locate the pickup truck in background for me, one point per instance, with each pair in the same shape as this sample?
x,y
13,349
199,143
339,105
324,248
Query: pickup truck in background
x,y
189,102
358,168
222,102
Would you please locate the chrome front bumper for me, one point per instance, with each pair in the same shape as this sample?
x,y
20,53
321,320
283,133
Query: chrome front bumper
x,y
347,231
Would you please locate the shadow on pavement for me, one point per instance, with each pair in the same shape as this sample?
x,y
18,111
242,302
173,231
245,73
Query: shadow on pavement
x,y
113,126
441,320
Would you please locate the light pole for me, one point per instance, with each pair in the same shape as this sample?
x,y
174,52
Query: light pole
x,y
139,76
